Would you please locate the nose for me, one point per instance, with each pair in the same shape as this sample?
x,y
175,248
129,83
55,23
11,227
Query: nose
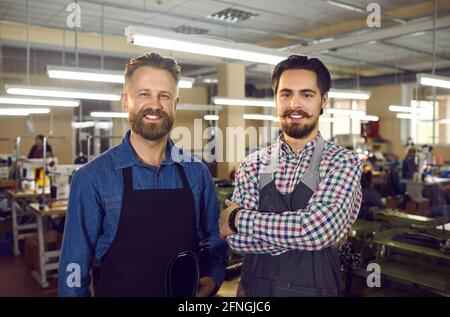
x,y
153,102
295,101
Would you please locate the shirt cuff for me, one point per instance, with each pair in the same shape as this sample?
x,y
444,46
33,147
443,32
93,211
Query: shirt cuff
x,y
245,222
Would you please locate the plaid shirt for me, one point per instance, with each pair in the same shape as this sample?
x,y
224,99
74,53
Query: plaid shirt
x,y
327,218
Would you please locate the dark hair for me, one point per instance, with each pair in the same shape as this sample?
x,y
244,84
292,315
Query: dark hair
x,y
153,60
303,62
40,137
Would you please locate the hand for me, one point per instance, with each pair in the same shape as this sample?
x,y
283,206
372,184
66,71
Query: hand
x,y
224,216
341,242
206,286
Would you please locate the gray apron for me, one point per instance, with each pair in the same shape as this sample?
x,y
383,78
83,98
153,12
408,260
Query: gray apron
x,y
293,273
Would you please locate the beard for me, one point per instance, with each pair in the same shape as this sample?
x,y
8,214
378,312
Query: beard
x,y
298,130
151,131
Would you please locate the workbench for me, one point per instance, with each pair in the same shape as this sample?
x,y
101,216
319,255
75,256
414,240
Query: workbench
x,y
414,265
45,257
402,219
18,201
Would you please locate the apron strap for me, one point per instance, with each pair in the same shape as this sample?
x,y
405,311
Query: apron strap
x,y
127,175
183,175
267,175
311,177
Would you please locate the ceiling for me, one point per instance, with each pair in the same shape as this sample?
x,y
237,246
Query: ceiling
x,y
294,24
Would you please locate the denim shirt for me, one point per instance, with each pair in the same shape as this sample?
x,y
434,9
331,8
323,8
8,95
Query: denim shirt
x,y
95,204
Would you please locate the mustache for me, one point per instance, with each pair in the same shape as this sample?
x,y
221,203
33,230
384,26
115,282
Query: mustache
x,y
152,112
288,112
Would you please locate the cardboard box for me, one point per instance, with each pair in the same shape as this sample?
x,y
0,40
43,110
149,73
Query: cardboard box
x,y
392,202
52,240
417,208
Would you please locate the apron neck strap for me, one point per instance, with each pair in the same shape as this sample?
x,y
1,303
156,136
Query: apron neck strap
x,y
183,175
127,174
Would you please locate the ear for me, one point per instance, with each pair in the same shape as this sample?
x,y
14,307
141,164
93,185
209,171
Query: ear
x,y
176,104
124,101
324,103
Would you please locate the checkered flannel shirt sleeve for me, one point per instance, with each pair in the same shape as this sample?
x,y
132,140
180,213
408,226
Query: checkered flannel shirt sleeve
x,y
246,194
330,213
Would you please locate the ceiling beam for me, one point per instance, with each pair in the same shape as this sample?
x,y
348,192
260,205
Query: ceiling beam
x,y
375,35
408,48
406,12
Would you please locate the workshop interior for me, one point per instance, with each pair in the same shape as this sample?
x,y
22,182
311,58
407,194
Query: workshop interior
x,y
62,74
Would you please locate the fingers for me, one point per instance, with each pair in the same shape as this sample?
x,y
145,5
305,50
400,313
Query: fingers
x,y
228,202
350,232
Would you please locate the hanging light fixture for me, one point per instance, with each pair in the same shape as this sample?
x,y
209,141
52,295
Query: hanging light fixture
x,y
60,92
212,117
99,75
203,46
22,111
108,114
39,101
433,80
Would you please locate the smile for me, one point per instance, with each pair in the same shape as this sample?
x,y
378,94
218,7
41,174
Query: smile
x,y
295,116
151,117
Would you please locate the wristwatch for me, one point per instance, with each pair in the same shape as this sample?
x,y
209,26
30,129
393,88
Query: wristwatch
x,y
232,220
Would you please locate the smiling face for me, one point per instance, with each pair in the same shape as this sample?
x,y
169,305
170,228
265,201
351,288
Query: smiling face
x,y
150,98
299,102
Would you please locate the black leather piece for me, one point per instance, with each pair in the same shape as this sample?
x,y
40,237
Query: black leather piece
x,y
424,240
182,275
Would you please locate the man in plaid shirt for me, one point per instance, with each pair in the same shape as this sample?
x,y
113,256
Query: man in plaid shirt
x,y
294,202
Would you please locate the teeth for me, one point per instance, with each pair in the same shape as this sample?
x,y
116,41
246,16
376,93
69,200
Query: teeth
x,y
296,116
151,117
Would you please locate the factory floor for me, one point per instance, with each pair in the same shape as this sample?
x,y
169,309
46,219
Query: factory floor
x,y
16,281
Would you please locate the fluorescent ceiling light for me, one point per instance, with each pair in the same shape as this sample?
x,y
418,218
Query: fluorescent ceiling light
x,y
349,94
60,92
253,102
198,107
321,119
91,124
407,116
263,117
100,114
327,119
434,81
82,125
99,75
345,6
347,112
22,111
38,102
210,80
428,105
212,117
424,111
395,108
202,45
74,73
366,118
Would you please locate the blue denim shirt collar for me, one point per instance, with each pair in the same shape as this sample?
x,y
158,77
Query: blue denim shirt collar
x,y
126,156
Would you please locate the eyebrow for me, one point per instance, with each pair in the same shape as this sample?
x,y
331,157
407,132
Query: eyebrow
x,y
148,90
302,90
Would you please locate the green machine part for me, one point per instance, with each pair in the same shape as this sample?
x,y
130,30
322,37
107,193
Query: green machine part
x,y
224,193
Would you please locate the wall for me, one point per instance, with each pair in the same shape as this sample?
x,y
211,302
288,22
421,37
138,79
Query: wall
x,y
11,127
382,97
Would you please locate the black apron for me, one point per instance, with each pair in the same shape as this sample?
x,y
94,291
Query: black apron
x,y
293,273
155,225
